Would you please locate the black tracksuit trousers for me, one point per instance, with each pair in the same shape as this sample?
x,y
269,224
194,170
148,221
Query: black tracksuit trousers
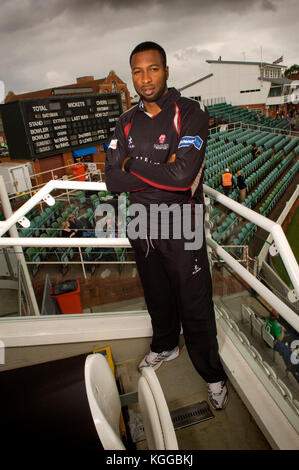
x,y
178,291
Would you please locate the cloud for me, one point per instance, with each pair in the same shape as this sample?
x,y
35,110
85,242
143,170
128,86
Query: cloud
x,y
19,15
192,53
50,43
267,5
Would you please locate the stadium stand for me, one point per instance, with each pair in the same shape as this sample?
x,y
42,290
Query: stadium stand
x,y
232,149
46,222
229,113
273,170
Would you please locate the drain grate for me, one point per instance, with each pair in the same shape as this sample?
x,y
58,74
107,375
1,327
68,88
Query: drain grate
x,y
181,418
191,414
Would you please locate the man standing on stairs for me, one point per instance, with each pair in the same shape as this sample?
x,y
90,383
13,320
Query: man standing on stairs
x,y
156,154
242,186
227,182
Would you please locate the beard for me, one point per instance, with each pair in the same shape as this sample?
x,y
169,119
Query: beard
x,y
156,96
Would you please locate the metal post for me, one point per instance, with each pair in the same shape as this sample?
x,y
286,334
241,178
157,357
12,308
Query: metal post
x,y
20,289
7,210
207,230
68,197
82,263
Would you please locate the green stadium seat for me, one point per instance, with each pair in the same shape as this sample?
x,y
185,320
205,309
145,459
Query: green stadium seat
x,y
81,198
33,256
94,200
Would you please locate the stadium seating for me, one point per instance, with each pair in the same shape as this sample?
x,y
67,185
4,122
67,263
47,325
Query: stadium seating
x,y
231,149
33,256
230,113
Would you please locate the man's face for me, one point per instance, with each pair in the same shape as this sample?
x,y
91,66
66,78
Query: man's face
x,y
149,75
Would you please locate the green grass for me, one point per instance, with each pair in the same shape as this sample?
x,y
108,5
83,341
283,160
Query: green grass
x,y
292,235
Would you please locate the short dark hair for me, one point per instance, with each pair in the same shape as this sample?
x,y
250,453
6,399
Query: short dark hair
x,y
147,46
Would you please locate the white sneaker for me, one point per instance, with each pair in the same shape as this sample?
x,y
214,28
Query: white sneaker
x,y
155,360
218,395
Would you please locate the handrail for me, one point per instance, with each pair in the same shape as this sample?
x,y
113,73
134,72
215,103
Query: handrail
x,y
274,228
286,312
247,125
263,253
42,194
268,225
35,188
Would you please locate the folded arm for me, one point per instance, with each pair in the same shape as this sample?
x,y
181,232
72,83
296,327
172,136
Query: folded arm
x,y
180,173
116,179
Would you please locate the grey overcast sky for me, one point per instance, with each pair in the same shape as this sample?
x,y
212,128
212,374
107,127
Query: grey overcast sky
x,y
47,43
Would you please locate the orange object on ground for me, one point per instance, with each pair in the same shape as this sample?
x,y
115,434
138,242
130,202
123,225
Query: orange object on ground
x,y
79,172
69,302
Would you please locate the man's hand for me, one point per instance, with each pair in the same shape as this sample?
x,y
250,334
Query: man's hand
x,y
124,163
171,158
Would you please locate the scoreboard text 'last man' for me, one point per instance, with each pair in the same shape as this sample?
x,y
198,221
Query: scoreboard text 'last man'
x,y
38,128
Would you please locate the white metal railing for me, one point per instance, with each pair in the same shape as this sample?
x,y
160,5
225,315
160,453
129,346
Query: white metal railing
x,y
280,220
44,195
259,369
37,176
69,166
265,371
233,125
275,229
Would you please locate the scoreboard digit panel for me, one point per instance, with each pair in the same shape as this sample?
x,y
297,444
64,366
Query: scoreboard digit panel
x,y
68,123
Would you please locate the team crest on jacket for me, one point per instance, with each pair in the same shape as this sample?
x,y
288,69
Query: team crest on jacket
x,y
161,145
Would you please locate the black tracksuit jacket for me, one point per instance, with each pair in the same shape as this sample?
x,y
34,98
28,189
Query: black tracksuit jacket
x,y
181,128
176,282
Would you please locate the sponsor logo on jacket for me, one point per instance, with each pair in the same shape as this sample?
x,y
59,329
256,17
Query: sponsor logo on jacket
x,y
188,140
